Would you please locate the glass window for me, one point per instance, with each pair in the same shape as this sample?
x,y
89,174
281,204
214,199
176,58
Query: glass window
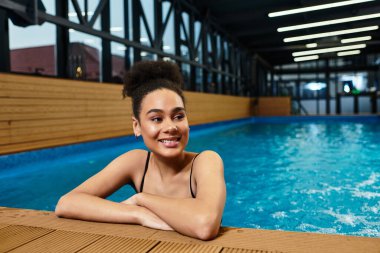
x,y
84,56
118,64
185,68
185,19
198,38
147,6
168,38
199,79
25,53
49,6
90,12
185,52
117,18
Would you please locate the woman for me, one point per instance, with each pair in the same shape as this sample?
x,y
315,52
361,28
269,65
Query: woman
x,y
175,189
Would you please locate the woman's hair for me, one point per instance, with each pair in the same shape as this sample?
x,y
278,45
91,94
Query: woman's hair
x,y
147,76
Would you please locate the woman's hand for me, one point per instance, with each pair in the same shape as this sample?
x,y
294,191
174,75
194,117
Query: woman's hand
x,y
146,217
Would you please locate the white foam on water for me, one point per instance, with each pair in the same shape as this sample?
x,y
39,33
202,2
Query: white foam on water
x,y
324,191
368,232
374,209
279,215
372,180
309,227
348,219
365,194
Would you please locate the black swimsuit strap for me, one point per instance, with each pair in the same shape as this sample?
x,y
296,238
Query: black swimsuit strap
x,y
191,172
146,169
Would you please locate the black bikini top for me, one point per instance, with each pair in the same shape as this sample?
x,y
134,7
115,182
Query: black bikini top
x,y
146,169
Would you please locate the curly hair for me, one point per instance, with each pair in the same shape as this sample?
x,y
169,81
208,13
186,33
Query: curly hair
x,y
147,76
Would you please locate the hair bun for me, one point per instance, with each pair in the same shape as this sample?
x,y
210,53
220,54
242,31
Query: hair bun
x,y
145,72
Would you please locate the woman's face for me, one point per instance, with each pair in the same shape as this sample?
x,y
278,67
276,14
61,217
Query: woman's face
x,y
163,123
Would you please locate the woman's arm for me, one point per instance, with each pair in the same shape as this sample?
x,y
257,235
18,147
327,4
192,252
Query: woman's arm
x,y
86,202
199,217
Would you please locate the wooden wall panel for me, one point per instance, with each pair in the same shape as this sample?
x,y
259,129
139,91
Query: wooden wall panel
x,y
273,106
38,112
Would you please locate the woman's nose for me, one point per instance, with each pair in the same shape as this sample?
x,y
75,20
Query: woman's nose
x,y
170,127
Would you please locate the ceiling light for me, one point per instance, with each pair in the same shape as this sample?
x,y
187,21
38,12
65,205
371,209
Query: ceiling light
x,y
311,45
328,22
345,53
328,50
306,58
334,33
315,8
364,38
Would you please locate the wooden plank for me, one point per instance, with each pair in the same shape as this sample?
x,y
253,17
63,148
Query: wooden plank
x,y
58,241
14,236
90,103
50,95
173,247
237,250
60,115
22,124
3,225
28,135
46,219
46,81
40,133
71,91
20,147
120,244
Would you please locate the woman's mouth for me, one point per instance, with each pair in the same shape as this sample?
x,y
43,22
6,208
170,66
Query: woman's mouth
x,y
170,142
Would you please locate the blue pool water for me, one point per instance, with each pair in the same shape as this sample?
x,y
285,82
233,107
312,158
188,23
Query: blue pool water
x,y
317,174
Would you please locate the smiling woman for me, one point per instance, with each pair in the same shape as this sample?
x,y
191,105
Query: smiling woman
x,y
175,189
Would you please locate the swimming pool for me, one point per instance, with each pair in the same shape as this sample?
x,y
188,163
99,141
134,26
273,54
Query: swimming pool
x,y
316,174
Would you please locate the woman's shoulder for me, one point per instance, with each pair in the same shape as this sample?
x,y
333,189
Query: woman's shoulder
x,y
133,156
209,154
209,159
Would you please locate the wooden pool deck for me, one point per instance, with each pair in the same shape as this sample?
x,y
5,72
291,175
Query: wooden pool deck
x,y
29,231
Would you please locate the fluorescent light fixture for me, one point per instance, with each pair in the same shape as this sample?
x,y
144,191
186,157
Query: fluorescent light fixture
x,y
315,86
345,53
334,33
166,47
316,7
328,50
306,58
143,54
143,39
364,38
328,22
311,45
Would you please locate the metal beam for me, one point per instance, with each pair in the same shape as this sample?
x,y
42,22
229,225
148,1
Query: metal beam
x,y
62,40
4,42
106,44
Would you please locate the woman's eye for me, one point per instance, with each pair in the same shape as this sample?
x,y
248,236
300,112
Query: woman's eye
x,y
156,119
179,116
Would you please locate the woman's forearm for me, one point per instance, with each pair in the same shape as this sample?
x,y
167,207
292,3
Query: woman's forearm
x,y
91,208
191,217
83,206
